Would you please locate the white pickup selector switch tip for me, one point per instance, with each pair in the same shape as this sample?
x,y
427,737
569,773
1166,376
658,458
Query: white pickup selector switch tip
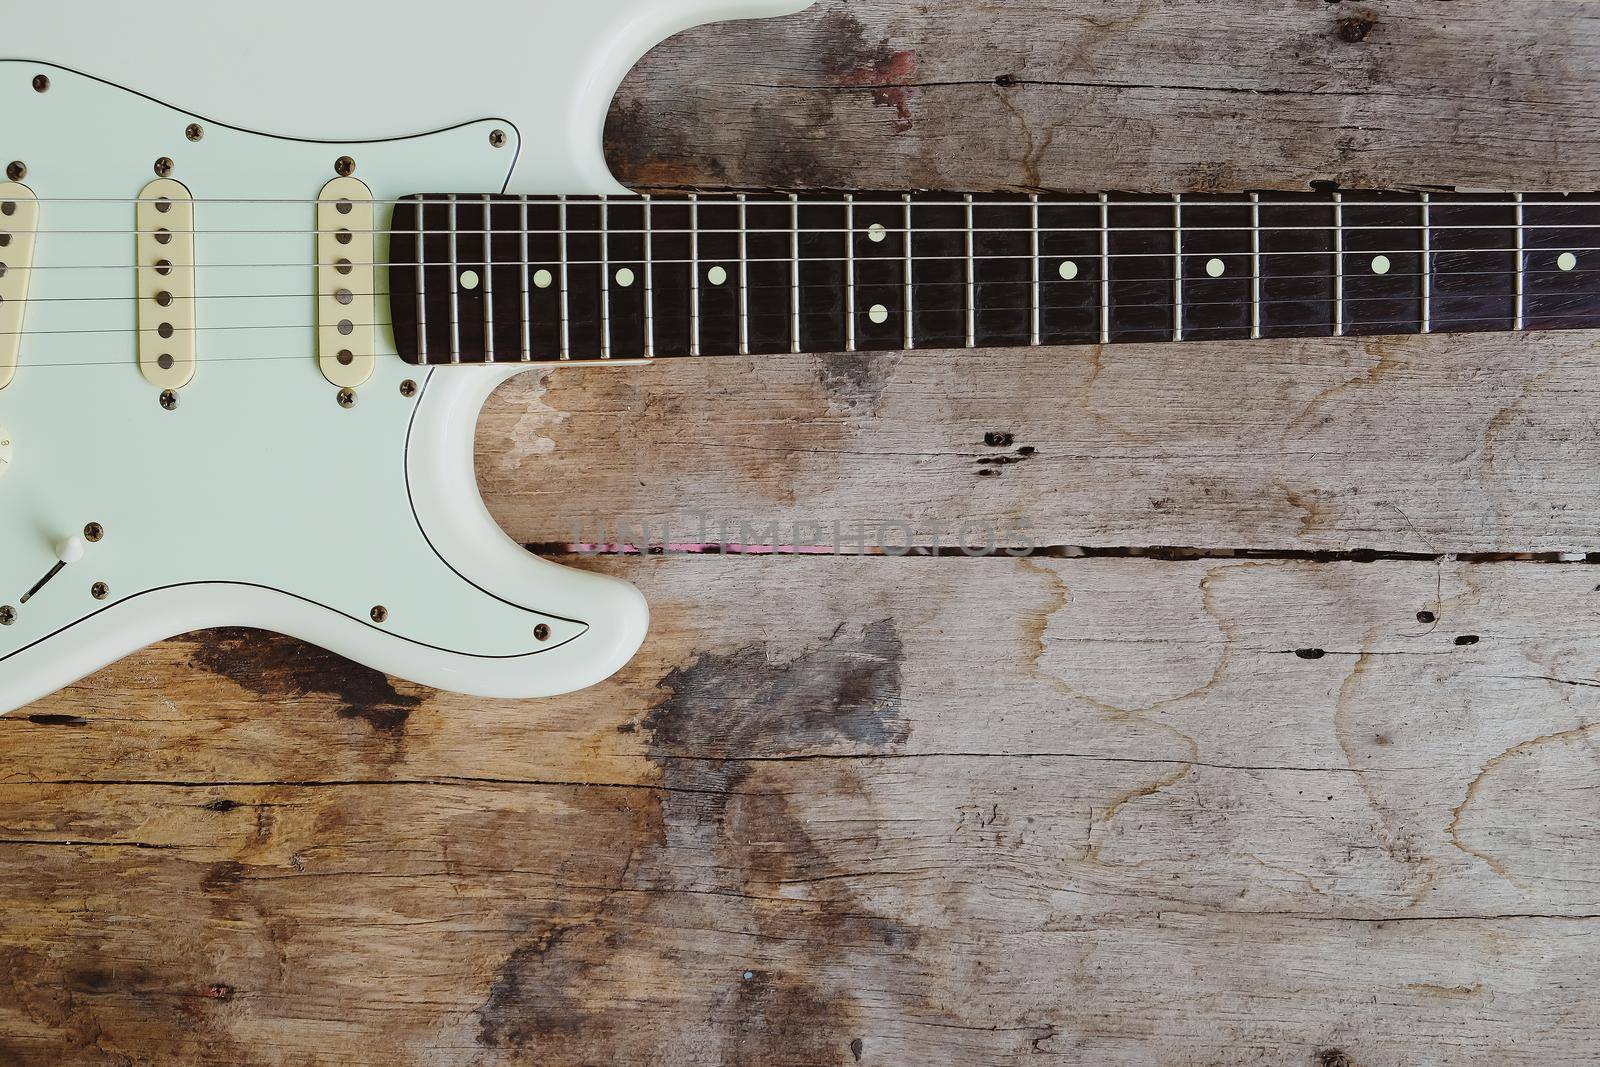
x,y
70,550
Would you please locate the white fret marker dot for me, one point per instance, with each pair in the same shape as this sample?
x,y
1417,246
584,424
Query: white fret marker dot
x,y
1380,264
1069,270
543,279
1215,267
876,232
716,275
624,277
879,314
1567,261
469,279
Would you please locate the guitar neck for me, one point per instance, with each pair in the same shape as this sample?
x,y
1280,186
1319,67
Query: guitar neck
x,y
549,279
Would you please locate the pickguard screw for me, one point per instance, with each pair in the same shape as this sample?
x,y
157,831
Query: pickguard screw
x,y
93,532
41,83
408,388
541,632
8,615
194,131
380,613
169,399
347,398
16,170
163,167
344,166
99,590
497,138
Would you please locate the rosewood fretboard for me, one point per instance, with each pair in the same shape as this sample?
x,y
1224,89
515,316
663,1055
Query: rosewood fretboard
x,y
510,279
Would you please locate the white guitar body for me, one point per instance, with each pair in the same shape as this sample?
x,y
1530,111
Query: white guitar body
x,y
259,500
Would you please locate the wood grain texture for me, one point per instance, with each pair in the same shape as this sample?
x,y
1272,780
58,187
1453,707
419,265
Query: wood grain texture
x,y
1127,94
932,809
1252,811
1423,444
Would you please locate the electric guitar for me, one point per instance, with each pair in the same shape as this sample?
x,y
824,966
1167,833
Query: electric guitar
x,y
258,273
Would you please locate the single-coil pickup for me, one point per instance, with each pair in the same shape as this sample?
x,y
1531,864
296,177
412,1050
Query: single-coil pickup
x,y
19,225
346,301
167,335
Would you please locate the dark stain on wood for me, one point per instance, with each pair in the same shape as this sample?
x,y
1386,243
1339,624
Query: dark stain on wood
x,y
850,61
223,879
531,997
281,668
1334,1057
648,150
774,1019
719,735
855,380
91,980
1355,28
221,805
998,439
743,703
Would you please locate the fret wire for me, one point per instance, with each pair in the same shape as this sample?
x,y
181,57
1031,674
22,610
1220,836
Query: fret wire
x,y
850,273
1177,267
455,295
488,286
794,270
649,287
566,330
1105,270
1255,265
694,275
1033,316
422,292
605,281
1427,263
527,309
1521,266
744,283
910,338
1338,264
972,280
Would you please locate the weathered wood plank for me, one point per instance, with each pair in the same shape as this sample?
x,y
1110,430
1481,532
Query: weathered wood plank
x,y
1190,95
1426,444
953,810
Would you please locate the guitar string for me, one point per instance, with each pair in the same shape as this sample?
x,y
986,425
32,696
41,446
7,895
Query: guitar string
x,y
877,236
894,255
1159,334
786,232
1049,279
